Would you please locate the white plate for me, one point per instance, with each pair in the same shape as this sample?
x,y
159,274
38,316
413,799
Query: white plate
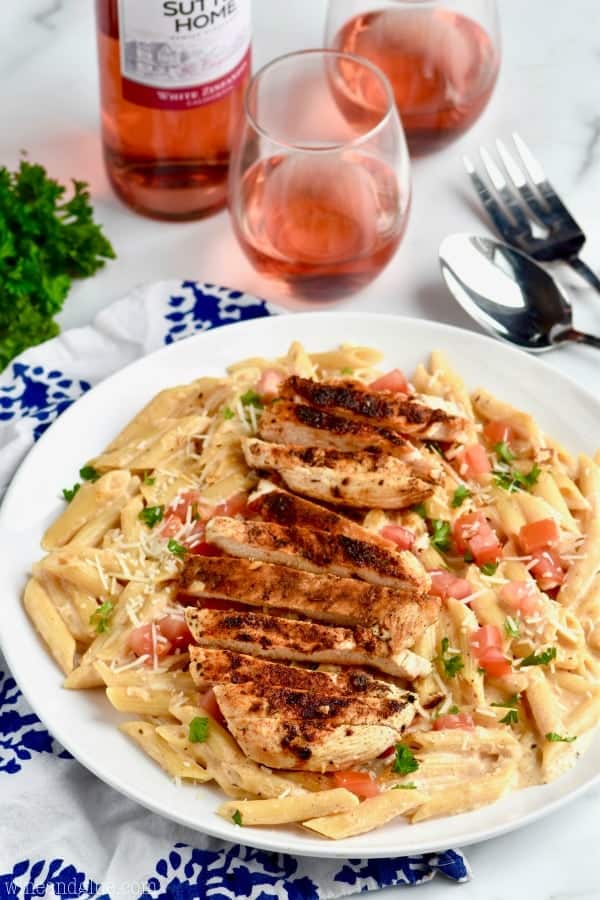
x,y
85,723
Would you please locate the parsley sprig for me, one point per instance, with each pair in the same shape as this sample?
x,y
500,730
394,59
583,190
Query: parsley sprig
x,y
451,663
100,618
513,480
539,659
405,761
553,736
251,398
198,730
461,493
512,705
440,534
151,515
176,548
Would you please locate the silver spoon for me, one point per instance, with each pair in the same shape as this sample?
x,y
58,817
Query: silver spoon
x,y
508,293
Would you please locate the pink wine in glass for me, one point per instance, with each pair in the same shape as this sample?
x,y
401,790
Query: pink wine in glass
x,y
324,227
442,67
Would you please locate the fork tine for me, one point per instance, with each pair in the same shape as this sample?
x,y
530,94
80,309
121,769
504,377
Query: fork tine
x,y
499,183
538,176
520,182
500,220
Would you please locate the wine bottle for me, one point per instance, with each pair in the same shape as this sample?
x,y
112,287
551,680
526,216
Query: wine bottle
x,y
172,79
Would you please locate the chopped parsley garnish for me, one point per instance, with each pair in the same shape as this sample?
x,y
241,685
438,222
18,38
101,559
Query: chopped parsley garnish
x,y
176,548
405,762
346,371
420,510
453,711
251,398
511,703
89,473
237,817
553,736
69,493
407,786
468,557
452,663
198,730
151,515
481,670
488,568
101,617
539,659
440,537
503,452
227,413
460,495
516,481
511,717
511,627
148,479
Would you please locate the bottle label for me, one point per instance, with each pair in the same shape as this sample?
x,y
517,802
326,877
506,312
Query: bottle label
x,y
179,54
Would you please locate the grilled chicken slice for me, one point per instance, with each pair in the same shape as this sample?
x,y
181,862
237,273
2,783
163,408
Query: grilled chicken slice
x,y
417,414
317,551
209,665
272,504
276,638
361,479
317,731
308,426
402,614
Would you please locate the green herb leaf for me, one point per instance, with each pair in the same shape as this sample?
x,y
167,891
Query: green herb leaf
x,y
451,663
511,717
45,242
69,493
488,568
198,730
440,537
237,817
453,711
468,557
420,510
176,548
511,703
553,736
151,515
511,627
405,762
101,617
148,480
227,413
539,659
346,371
503,452
516,481
481,670
89,473
407,786
251,398
460,495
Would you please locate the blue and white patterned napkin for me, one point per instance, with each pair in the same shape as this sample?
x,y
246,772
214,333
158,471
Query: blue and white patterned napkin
x,y
63,833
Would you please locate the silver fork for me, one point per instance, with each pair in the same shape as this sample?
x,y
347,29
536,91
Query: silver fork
x,y
522,198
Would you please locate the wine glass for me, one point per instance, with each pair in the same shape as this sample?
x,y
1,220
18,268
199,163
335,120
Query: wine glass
x,y
441,56
319,179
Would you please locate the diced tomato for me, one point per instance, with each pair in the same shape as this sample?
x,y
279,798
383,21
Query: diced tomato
x,y
175,629
473,532
547,570
538,535
458,720
520,596
232,506
171,526
499,432
485,638
473,461
359,783
269,384
398,535
486,647
140,641
180,505
208,702
203,548
445,584
392,381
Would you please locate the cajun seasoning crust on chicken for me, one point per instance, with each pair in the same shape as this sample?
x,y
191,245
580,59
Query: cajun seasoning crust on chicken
x,y
362,478
273,504
279,727
277,638
210,665
403,613
426,417
316,551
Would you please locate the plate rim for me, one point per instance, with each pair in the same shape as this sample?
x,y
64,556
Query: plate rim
x,y
217,827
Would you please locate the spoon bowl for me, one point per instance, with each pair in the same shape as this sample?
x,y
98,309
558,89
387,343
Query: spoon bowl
x,y
508,293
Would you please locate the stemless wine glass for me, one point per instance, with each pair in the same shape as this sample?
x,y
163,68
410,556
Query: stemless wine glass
x,y
319,178
441,56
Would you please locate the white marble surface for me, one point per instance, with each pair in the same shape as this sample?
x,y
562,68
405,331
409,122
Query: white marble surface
x,y
548,90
